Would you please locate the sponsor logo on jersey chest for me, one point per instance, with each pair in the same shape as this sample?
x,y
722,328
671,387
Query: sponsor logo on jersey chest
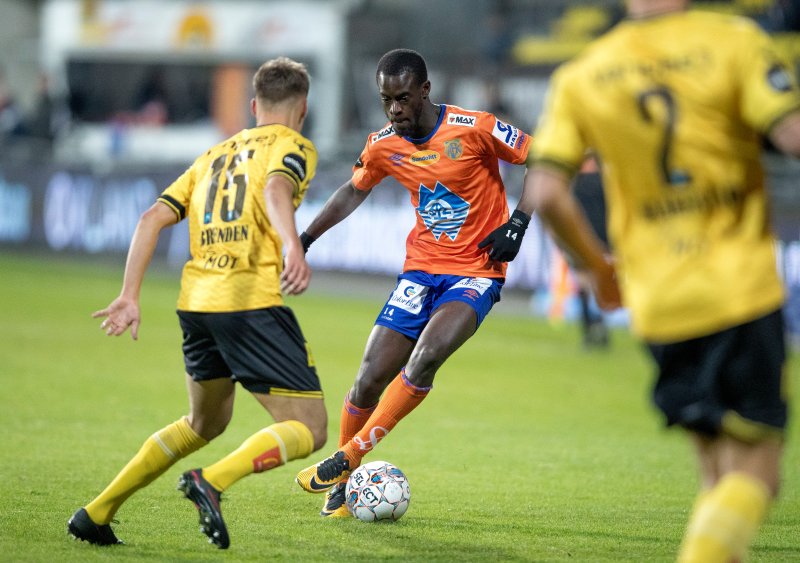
x,y
424,158
459,119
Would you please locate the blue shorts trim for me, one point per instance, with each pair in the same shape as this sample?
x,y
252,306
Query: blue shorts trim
x,y
418,294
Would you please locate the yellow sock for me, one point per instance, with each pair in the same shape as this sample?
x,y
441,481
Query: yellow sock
x,y
156,455
724,522
267,448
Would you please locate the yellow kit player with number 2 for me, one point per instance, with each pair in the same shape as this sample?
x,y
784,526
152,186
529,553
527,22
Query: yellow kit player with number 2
x,y
675,104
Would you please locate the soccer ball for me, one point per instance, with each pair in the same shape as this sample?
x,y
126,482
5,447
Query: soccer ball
x,y
377,491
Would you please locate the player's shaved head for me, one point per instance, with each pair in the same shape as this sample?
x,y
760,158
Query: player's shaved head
x,y
398,61
280,79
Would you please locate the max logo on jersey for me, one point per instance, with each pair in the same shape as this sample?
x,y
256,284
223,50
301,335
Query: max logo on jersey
x,y
382,134
296,164
442,211
463,120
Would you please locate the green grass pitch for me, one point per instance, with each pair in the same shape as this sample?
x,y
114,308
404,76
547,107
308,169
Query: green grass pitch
x,y
526,450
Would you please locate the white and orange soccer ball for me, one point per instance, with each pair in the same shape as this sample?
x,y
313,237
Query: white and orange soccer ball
x,y
377,491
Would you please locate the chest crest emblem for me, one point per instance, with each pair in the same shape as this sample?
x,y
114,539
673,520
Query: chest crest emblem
x,y
453,149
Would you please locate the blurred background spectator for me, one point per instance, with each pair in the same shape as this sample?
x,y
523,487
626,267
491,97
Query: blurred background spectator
x,y
11,119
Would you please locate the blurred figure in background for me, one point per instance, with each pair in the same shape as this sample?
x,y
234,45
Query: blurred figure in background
x,y
11,118
447,158
496,38
239,197
588,191
50,114
674,103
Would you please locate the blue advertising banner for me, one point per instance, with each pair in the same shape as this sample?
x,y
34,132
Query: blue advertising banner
x,y
80,210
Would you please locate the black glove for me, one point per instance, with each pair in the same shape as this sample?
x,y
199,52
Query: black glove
x,y
506,239
306,240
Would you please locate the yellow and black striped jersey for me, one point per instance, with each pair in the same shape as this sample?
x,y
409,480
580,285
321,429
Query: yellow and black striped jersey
x,y
236,255
674,106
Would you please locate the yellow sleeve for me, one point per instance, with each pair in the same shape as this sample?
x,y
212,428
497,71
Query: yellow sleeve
x,y
558,140
294,158
769,90
179,193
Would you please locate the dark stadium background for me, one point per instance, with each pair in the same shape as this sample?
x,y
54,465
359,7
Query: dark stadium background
x,y
103,103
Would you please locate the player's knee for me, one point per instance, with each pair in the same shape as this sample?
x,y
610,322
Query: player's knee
x,y
366,391
423,364
208,427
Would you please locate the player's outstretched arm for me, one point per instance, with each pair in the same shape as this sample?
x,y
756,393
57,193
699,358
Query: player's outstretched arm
x,y
563,216
342,203
124,312
296,273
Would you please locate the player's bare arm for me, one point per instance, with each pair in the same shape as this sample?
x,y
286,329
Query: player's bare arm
x,y
526,202
558,208
124,312
786,135
280,209
504,242
342,203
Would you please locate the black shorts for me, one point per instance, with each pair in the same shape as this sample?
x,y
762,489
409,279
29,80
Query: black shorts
x,y
728,382
263,349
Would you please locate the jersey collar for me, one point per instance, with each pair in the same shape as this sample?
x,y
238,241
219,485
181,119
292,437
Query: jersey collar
x,y
428,137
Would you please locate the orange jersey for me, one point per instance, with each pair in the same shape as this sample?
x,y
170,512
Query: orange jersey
x,y
454,180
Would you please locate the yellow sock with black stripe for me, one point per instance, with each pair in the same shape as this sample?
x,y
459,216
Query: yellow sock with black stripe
x,y
267,448
156,455
725,522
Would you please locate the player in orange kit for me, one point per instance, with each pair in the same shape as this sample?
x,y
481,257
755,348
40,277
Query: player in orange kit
x,y
447,158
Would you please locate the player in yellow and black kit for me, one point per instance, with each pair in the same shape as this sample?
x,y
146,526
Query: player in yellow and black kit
x,y
239,198
674,103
